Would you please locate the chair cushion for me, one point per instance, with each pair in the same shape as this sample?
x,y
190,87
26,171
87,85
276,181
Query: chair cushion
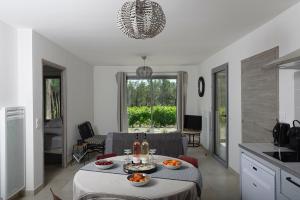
x,y
190,160
104,156
96,139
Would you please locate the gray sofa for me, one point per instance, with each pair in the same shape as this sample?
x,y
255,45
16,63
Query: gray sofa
x,y
168,144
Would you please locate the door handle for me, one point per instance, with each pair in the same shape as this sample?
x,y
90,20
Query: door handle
x,y
289,179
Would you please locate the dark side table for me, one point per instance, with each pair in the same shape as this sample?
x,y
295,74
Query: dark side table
x,y
192,135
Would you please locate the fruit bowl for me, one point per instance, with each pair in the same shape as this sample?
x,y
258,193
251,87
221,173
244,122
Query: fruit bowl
x,y
172,164
138,179
103,164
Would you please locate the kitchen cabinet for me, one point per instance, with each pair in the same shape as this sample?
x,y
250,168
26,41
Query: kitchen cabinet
x,y
265,177
257,181
290,186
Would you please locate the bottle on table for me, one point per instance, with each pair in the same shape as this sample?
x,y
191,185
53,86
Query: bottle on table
x,y
145,150
136,150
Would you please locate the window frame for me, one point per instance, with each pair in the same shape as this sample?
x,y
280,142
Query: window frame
x,y
153,77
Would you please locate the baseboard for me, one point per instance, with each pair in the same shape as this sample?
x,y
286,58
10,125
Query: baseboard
x,y
201,145
17,195
233,171
39,188
229,168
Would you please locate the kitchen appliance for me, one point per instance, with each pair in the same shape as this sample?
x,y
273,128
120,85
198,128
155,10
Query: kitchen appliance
x,y
280,134
257,180
12,151
294,136
285,156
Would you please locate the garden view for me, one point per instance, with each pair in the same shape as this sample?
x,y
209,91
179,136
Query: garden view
x,y
151,105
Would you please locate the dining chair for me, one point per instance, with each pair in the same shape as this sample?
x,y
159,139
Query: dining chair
x,y
55,197
103,196
95,142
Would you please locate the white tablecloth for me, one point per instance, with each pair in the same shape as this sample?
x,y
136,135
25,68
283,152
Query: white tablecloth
x,y
86,182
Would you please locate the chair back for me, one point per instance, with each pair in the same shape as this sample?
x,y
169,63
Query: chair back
x,y
86,130
109,197
55,197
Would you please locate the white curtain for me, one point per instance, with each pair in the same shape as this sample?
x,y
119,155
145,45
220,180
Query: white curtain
x,y
182,80
122,115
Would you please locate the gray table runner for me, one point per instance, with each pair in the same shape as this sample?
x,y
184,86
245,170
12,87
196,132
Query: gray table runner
x,y
185,173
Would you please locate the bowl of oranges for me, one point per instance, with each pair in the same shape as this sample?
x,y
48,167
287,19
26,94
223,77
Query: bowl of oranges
x,y
172,164
138,179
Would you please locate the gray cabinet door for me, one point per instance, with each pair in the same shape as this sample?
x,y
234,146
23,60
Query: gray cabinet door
x,y
260,98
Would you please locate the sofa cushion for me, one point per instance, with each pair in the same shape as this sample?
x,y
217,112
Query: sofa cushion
x,y
168,144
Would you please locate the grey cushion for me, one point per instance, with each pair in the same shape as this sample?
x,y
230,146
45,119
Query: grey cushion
x,y
167,144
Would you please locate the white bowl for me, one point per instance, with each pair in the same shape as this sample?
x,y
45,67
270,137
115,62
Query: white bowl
x,y
172,166
103,166
139,184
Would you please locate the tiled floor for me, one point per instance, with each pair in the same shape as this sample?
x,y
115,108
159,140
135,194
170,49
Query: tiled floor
x,y
218,182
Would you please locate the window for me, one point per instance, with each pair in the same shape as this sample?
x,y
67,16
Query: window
x,y
152,104
52,97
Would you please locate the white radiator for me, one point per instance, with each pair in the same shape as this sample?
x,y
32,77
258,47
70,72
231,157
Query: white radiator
x,y
12,151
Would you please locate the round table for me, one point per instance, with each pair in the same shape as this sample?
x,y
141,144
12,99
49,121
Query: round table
x,y
87,182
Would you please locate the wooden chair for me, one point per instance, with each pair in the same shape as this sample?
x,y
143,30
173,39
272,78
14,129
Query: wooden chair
x,y
55,197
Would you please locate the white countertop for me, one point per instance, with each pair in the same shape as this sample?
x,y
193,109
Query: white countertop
x,y
258,149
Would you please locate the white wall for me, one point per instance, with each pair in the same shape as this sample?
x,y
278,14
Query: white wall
x,y
79,83
32,49
297,95
15,51
8,65
25,98
282,31
105,93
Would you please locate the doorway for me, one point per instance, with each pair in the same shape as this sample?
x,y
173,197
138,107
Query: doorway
x,y
54,114
220,113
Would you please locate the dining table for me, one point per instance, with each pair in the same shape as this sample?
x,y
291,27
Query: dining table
x,y
113,184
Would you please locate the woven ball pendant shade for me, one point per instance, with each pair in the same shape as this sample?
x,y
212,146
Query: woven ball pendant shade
x,y
141,19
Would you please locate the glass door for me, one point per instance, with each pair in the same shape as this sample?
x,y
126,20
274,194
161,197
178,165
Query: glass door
x,y
151,104
220,110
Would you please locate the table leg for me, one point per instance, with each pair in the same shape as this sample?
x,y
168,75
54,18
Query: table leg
x,y
193,140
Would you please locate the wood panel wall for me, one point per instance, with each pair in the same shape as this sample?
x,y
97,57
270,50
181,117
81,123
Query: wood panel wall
x,y
260,98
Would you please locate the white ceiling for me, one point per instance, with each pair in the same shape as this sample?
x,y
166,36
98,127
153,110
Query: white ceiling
x,y
195,29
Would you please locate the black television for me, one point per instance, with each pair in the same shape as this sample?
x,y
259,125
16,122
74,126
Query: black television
x,y
192,122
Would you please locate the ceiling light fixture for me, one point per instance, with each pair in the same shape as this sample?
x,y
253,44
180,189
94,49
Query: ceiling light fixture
x,y
141,19
144,71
